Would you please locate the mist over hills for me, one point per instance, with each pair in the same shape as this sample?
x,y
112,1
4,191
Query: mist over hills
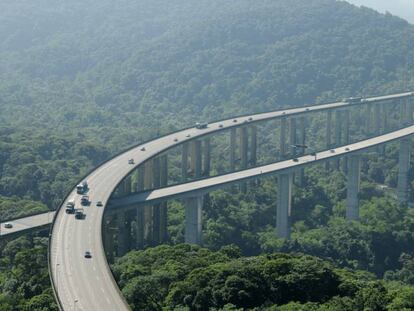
x,y
89,63
82,79
401,8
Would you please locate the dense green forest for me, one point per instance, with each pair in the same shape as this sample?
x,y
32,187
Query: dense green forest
x,y
187,277
81,80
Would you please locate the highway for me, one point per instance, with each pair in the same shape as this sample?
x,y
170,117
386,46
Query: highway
x,y
87,284
26,223
206,185
203,186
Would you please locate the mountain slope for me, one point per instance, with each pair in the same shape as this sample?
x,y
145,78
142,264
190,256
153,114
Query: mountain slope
x,y
89,63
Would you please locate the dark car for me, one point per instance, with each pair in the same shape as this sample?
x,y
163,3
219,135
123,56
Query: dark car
x,y
88,254
131,161
85,200
99,203
79,214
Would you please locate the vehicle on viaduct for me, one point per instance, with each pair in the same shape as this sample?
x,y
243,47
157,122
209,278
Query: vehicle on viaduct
x,y
126,203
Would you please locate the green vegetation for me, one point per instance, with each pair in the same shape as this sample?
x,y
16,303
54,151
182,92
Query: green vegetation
x,y
81,80
24,279
199,279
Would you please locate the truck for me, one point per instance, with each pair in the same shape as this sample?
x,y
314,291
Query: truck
x,y
352,100
82,187
200,126
70,206
85,200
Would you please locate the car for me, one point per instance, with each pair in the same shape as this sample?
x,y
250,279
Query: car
x,y
188,135
175,139
284,112
250,118
307,109
79,214
99,203
70,207
88,254
295,160
220,125
347,149
8,225
143,149
235,121
131,161
70,210
332,150
85,200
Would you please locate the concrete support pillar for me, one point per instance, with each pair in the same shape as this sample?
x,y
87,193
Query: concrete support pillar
x,y
377,119
123,237
403,113
284,201
338,133
282,139
233,146
148,175
207,157
196,158
292,141
193,220
377,126
120,189
368,118
184,162
243,147
403,168
163,206
346,121
139,228
253,145
292,137
156,208
328,134
148,209
109,239
253,152
243,154
352,204
409,113
139,216
128,185
302,141
385,117
141,178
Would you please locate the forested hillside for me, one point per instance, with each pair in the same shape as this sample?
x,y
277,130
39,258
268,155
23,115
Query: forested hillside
x,y
81,80
98,76
191,278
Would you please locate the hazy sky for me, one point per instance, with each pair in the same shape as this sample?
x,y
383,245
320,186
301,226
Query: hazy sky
x,y
402,8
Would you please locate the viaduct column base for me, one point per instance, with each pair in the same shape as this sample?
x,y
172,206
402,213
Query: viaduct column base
x,y
193,220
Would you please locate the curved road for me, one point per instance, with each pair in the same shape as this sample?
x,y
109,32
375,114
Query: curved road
x,y
87,284
203,186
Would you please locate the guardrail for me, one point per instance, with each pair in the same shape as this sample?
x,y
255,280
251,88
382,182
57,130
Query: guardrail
x,y
374,100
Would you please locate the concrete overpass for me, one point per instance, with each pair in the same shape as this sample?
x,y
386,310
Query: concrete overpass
x,y
88,284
